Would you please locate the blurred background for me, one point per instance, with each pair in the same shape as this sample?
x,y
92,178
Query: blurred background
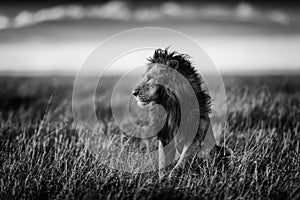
x,y
241,37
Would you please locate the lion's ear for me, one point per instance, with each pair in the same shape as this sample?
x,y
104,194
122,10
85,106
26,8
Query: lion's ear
x,y
173,63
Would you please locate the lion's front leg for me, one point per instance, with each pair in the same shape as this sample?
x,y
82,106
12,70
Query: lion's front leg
x,y
166,155
180,162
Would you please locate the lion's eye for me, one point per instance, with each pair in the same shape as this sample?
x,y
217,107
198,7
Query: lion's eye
x,y
152,89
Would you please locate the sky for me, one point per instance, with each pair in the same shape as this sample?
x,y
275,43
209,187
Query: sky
x,y
239,36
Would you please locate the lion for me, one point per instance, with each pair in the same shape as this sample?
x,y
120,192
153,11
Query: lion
x,y
163,84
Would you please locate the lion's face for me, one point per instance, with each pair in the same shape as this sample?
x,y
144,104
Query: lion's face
x,y
149,91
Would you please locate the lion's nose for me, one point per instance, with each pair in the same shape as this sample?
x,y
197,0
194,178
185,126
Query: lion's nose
x,y
135,92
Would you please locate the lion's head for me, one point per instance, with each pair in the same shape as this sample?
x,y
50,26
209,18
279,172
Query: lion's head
x,y
153,88
158,79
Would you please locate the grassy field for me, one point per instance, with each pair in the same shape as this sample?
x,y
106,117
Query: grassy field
x,y
41,156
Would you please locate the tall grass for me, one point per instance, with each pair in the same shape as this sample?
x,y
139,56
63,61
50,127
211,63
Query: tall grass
x,y
41,155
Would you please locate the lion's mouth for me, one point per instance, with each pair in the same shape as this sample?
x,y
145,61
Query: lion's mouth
x,y
141,102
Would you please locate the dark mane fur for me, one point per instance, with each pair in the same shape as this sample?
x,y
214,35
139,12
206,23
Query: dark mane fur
x,y
163,56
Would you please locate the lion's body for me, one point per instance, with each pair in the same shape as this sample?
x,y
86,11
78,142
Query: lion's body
x,y
172,82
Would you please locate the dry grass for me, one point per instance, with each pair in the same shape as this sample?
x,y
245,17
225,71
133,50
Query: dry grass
x,y
41,156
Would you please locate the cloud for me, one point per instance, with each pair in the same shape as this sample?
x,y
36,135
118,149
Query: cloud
x,y
279,17
4,22
121,11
